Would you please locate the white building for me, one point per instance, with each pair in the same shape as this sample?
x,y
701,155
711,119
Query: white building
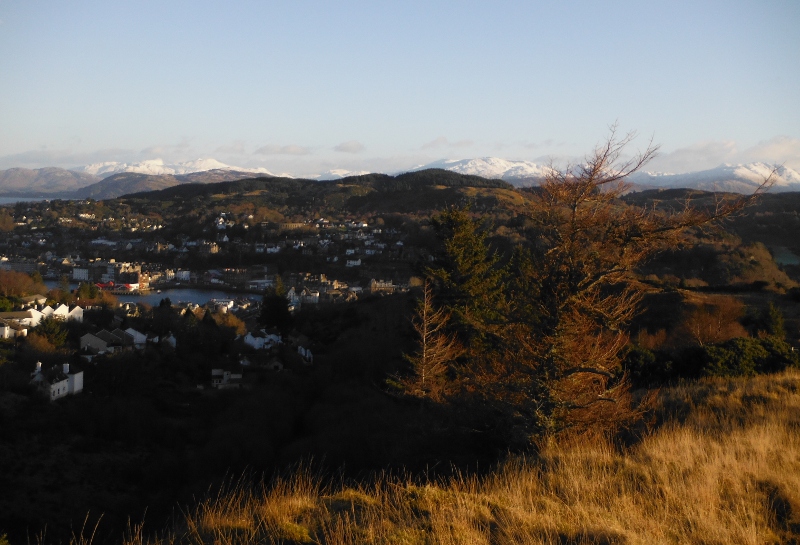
x,y
139,339
261,340
80,274
223,380
305,353
33,300
63,312
30,317
57,383
12,330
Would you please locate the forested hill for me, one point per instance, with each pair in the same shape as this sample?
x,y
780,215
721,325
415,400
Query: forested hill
x,y
408,181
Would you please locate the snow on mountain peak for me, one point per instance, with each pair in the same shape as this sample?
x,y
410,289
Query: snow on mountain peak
x,y
339,173
741,178
158,167
491,167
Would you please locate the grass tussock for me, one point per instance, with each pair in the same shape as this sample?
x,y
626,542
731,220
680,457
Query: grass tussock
x,y
723,467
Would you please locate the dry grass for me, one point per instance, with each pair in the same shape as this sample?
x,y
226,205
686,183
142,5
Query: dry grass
x,y
723,468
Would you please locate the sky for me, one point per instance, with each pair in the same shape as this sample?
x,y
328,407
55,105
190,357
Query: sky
x,y
303,87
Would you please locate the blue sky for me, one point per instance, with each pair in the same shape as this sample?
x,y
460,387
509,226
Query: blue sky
x,y
306,86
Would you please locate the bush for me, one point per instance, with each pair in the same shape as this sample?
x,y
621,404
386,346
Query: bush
x,y
780,355
646,368
739,357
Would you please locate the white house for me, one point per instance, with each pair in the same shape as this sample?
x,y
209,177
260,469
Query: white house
x,y
170,340
76,314
262,340
33,300
353,263
223,380
11,330
60,312
5,330
57,383
139,339
306,354
30,317
292,297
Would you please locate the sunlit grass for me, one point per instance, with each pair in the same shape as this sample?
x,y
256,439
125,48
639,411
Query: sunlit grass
x,y
724,467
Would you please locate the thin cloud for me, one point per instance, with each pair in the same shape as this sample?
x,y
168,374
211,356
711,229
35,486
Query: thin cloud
x,y
351,146
47,157
443,142
711,154
538,145
236,148
781,150
436,143
167,150
290,149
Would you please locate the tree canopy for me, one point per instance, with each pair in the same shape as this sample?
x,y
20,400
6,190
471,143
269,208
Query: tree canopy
x,y
545,330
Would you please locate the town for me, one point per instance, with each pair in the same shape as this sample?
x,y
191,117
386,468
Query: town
x,y
58,242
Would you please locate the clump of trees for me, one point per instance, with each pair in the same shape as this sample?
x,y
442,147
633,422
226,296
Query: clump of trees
x,y
543,330
18,284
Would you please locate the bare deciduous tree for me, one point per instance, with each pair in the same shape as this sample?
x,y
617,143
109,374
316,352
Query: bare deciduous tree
x,y
713,322
437,349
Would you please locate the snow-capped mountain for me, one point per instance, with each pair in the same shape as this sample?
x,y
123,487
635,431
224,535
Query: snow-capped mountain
x,y
517,172
158,167
734,178
339,173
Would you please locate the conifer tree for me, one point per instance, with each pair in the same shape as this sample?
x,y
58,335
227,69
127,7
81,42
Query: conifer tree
x,y
469,275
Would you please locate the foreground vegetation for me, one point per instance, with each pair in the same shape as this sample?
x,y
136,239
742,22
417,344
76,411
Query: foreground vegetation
x,y
722,466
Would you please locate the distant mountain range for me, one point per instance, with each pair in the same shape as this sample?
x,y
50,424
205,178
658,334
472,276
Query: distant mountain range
x,y
110,180
43,180
519,173
157,167
729,178
726,178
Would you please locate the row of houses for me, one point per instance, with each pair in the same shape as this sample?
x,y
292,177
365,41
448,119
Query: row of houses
x,y
109,342
16,323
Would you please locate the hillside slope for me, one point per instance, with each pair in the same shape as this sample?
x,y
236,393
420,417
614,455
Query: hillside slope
x,y
724,467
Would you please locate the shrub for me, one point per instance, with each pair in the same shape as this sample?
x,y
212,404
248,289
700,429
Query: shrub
x,y
780,355
646,368
739,357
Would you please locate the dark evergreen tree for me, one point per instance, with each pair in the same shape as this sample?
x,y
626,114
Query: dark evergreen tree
x,y
275,311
